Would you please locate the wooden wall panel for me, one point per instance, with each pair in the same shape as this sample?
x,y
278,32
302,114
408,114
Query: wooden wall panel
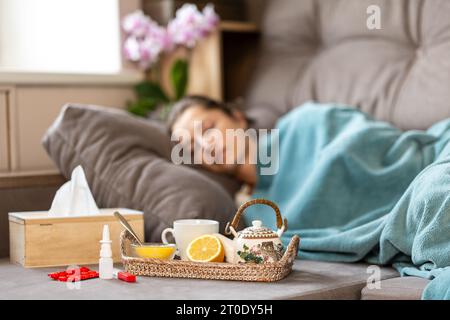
x,y
4,154
34,110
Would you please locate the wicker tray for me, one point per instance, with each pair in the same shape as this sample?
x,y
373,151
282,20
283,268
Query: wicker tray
x,y
266,272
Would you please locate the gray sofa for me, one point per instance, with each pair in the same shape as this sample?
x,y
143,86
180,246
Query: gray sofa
x,y
324,51
319,50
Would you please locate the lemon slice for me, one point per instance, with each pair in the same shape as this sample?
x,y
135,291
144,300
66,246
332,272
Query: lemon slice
x,y
207,248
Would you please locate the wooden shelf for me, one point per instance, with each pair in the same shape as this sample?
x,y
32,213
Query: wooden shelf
x,y
238,26
27,181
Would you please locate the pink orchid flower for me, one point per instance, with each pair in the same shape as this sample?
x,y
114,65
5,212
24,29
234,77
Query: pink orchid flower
x,y
131,49
147,40
136,24
185,28
210,20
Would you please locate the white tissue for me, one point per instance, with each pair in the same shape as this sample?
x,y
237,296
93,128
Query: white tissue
x,y
74,198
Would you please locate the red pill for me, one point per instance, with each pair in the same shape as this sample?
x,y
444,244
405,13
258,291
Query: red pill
x,y
125,276
74,274
54,275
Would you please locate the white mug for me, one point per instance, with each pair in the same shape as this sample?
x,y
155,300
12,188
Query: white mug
x,y
184,231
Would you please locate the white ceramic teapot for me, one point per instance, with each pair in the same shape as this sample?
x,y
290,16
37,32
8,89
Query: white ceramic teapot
x,y
255,244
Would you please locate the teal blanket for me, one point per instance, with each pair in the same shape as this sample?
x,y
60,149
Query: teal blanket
x,y
358,189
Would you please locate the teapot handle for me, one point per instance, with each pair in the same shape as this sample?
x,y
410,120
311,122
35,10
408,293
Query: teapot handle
x,y
237,217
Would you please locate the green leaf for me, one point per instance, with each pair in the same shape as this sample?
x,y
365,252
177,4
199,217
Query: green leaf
x,y
142,107
151,90
137,111
179,76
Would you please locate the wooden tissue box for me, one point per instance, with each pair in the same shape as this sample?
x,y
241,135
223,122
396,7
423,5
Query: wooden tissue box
x,y
37,240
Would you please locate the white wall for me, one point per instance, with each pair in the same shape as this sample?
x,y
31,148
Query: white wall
x,y
81,36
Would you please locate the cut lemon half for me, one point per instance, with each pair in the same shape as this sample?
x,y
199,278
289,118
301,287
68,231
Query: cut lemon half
x,y
206,248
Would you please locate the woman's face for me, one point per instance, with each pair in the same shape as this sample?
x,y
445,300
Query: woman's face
x,y
208,129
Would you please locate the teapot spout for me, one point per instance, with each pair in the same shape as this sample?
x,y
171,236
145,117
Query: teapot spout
x,y
229,248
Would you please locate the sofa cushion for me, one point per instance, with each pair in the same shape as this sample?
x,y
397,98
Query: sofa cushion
x,y
322,50
127,164
400,288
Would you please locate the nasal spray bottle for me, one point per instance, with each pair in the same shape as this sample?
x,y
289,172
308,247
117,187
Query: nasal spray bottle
x,y
106,261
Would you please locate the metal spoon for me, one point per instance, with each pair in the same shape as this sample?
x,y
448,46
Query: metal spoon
x,y
127,226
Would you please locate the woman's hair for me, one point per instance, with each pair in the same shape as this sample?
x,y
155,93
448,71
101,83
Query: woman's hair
x,y
194,100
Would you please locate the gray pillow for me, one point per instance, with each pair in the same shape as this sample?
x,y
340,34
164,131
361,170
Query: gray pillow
x,y
127,163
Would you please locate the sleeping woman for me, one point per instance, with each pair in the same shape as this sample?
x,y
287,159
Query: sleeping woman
x,y
352,187
190,121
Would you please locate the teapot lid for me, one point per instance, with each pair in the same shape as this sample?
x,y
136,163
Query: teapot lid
x,y
257,231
